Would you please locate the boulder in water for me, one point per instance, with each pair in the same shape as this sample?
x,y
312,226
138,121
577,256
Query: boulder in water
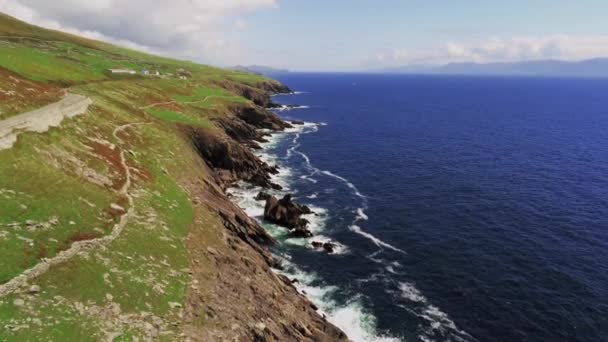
x,y
286,213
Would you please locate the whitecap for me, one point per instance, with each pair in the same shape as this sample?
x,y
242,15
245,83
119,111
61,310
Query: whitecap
x,y
410,292
361,215
351,317
374,239
346,181
312,180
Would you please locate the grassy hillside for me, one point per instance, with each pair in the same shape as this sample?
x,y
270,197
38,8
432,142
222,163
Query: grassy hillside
x,y
66,185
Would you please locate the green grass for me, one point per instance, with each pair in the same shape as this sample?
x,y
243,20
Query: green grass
x,y
57,174
32,188
175,117
200,94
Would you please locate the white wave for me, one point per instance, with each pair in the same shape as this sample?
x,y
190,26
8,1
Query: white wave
x,y
409,292
306,159
338,247
346,181
286,108
312,180
313,126
360,211
438,322
292,93
361,215
313,196
350,317
374,239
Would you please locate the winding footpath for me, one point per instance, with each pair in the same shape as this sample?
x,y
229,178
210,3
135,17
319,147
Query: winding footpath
x,y
81,246
172,102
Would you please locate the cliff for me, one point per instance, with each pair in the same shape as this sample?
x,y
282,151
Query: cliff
x,y
251,302
115,224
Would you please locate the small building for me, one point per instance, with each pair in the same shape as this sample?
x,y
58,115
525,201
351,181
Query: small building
x,y
122,71
145,72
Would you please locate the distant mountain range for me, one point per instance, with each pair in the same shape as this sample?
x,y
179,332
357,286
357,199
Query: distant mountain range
x,y
597,67
259,69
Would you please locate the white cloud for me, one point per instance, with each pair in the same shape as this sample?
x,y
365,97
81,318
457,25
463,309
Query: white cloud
x,y
193,29
564,47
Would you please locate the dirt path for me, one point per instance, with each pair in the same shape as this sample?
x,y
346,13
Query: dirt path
x,y
81,246
40,120
172,102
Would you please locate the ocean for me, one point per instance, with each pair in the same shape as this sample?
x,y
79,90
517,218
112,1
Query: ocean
x,y
463,208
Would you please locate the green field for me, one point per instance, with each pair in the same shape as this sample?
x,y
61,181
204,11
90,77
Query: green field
x,y
63,186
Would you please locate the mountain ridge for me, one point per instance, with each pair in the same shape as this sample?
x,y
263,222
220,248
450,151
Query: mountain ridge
x,y
594,67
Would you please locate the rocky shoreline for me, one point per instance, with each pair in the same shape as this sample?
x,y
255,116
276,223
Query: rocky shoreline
x,y
248,290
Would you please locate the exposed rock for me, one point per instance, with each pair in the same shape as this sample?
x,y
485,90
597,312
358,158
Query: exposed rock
x,y
262,196
286,213
240,131
230,160
244,278
297,122
326,246
259,94
300,232
262,118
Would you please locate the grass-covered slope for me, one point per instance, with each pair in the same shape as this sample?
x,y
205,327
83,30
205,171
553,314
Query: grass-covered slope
x,y
134,182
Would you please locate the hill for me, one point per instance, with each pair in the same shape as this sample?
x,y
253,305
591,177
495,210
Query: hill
x,y
260,70
114,222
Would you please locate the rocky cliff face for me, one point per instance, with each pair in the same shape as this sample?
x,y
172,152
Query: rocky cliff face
x,y
249,302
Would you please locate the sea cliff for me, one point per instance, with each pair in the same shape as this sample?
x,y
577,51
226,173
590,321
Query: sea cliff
x,y
115,223
262,304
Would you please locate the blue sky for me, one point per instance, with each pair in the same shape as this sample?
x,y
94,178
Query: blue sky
x,y
350,34
336,35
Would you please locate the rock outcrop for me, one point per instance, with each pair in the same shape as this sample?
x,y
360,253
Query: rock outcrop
x,y
243,275
287,213
258,94
261,118
326,246
230,160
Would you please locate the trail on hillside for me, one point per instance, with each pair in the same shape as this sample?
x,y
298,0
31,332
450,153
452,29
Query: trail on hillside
x,y
86,245
172,102
41,119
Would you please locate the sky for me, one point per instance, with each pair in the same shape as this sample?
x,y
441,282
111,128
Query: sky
x,y
334,35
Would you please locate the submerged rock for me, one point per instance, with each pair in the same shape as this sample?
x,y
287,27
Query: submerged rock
x,y
328,247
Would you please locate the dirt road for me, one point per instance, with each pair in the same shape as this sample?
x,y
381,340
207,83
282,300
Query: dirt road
x,y
40,120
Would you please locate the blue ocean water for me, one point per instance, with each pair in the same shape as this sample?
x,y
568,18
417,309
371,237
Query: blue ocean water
x,y
466,208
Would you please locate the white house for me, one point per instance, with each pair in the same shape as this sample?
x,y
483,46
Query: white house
x,y
122,71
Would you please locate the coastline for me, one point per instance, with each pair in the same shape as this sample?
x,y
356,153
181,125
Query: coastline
x,y
250,299
350,316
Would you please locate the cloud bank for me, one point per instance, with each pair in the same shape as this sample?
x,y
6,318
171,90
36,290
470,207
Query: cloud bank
x,y
192,29
563,47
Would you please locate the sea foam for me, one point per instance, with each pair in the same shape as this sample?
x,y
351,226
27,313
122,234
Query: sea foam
x,y
351,316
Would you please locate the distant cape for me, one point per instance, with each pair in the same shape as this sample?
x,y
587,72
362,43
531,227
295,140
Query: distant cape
x,y
597,67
